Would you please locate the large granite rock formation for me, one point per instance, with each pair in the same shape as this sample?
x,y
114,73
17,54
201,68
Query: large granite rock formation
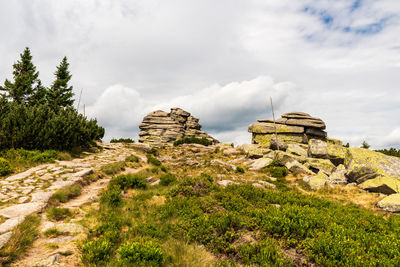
x,y
163,127
293,127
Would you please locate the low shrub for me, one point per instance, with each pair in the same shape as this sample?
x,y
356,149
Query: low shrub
x,y
152,160
96,252
5,167
239,169
193,140
113,168
58,214
143,254
52,232
390,152
276,170
112,197
163,168
66,193
167,179
132,158
122,140
129,181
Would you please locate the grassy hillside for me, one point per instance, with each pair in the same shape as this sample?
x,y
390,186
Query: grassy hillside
x,y
187,219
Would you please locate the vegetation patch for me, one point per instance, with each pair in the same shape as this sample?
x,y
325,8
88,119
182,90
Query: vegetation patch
x,y
122,140
193,140
23,236
390,152
58,214
65,194
152,160
113,168
167,179
5,167
127,181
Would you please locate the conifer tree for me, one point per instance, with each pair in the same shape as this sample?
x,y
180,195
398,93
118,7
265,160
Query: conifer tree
x,y
26,80
60,94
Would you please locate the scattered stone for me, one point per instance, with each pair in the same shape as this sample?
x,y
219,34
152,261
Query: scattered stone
x,y
260,163
11,223
155,182
22,209
259,152
61,239
216,162
84,172
4,239
284,157
277,144
47,225
231,151
160,127
317,181
225,183
390,203
23,199
50,261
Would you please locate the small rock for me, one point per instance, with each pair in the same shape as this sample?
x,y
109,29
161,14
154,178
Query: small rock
x,y
231,151
225,183
338,176
390,203
155,183
317,181
69,228
11,223
260,163
61,239
49,261
47,225
23,199
4,239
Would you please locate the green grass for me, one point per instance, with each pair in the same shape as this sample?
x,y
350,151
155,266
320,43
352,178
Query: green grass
x,y
193,140
58,214
64,194
152,160
113,168
52,232
23,236
122,140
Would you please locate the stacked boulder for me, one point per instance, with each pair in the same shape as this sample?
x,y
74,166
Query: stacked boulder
x,y
160,127
303,147
292,127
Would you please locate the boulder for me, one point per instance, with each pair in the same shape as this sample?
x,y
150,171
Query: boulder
x,y
4,239
248,147
297,150
320,149
317,181
338,176
277,144
382,184
260,163
259,152
390,203
269,128
265,139
160,127
296,167
360,174
324,165
358,158
284,157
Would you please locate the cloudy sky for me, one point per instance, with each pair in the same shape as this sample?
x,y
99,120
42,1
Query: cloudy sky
x,y
221,60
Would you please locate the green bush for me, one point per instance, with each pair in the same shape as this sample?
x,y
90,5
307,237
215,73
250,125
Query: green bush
x,y
112,197
146,254
58,214
128,181
390,152
40,127
132,158
5,167
52,232
122,140
163,168
167,179
96,252
193,140
113,168
152,160
239,169
66,193
276,170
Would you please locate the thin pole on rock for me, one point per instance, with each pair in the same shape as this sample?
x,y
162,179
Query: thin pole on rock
x,y
84,113
79,100
273,118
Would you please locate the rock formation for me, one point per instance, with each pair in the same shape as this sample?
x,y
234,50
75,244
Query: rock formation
x,y
163,127
293,127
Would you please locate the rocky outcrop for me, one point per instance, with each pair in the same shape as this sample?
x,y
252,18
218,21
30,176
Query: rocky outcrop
x,y
293,127
162,127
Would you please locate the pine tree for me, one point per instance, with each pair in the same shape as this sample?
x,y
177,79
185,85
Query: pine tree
x,y
26,80
60,94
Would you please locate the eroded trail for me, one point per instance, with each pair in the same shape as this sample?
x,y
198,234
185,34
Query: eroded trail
x,y
29,192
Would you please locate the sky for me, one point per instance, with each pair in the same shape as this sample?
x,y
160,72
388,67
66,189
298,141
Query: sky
x,y
338,60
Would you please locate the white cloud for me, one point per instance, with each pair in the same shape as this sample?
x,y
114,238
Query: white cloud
x,y
223,110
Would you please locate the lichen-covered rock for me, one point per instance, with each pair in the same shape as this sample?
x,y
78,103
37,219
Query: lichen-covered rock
x,y
317,181
260,163
259,152
357,158
382,184
269,128
265,139
277,144
160,127
320,165
360,174
284,157
320,149
338,176
297,167
297,150
390,203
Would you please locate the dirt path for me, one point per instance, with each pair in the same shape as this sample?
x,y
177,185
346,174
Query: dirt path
x,y
63,250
